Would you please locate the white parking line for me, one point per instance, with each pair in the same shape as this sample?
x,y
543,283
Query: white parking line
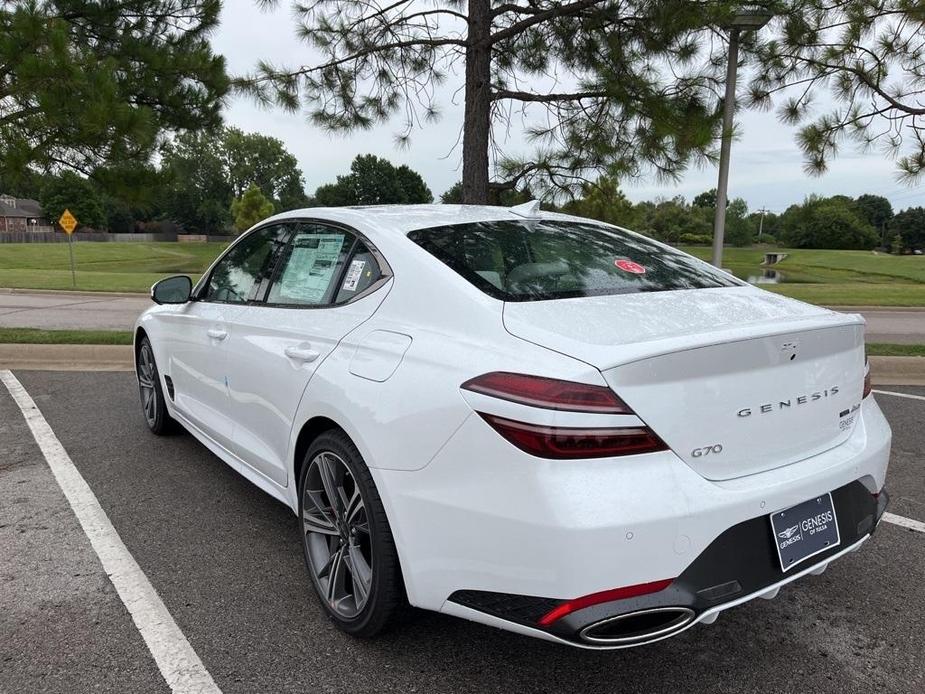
x,y
918,526
900,395
181,667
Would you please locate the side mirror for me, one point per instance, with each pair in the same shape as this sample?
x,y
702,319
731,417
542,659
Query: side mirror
x,y
172,290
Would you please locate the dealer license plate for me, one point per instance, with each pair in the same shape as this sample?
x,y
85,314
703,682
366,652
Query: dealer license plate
x,y
805,530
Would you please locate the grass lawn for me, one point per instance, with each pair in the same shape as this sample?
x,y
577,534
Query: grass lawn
x,y
880,349
114,267
34,336
836,278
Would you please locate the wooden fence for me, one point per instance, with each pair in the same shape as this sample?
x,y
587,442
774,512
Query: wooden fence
x,y
101,236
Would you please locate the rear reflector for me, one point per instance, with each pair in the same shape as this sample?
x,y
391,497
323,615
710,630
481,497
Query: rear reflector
x,y
581,603
564,443
550,393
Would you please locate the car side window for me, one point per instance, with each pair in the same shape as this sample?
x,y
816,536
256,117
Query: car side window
x,y
239,275
311,266
362,271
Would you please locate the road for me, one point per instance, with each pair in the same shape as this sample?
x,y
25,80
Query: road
x,y
226,562
906,327
70,310
88,311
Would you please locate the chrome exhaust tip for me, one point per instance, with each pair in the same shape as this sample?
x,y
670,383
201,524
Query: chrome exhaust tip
x,y
638,627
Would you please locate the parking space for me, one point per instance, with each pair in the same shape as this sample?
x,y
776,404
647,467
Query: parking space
x,y
226,562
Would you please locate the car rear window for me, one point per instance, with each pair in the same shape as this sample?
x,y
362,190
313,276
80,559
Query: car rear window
x,y
534,260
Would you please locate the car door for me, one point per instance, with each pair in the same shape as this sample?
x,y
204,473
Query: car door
x,y
324,287
199,332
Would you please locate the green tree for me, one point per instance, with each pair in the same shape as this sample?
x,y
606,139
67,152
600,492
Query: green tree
x,y
910,226
705,199
413,185
203,172
195,193
89,82
120,218
605,201
827,223
877,211
674,221
254,158
739,229
374,181
505,196
381,58
250,208
70,191
453,195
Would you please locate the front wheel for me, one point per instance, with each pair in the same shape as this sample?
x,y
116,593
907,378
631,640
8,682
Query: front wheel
x,y
349,549
152,394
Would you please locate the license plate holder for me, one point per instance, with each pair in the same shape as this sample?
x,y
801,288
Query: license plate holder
x,y
805,530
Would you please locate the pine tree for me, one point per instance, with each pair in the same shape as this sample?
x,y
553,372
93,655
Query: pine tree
x,y
620,107
85,83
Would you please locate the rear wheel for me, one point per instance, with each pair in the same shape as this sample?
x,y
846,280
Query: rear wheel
x,y
152,394
349,549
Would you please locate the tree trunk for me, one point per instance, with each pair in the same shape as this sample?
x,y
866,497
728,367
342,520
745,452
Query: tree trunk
x,y
476,122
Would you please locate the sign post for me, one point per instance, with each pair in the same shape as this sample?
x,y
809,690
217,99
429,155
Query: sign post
x,y
68,222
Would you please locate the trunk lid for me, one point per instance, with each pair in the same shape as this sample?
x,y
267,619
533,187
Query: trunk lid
x,y
735,380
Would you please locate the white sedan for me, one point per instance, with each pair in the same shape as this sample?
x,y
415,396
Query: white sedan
x,y
538,422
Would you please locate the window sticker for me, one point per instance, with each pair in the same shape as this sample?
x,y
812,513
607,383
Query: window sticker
x,y
354,272
311,266
630,266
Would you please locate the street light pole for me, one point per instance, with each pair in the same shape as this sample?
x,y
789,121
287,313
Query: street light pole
x,y
719,221
751,17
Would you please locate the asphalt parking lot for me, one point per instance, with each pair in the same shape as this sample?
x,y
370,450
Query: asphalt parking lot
x,y
225,560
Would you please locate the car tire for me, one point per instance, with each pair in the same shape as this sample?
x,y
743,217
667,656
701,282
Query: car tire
x,y
349,549
153,405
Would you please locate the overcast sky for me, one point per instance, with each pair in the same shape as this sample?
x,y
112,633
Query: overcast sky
x,y
766,170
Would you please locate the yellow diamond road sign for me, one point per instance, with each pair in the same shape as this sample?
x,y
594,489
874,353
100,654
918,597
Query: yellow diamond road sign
x,y
68,222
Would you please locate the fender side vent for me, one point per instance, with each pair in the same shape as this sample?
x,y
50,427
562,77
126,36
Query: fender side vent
x,y
169,381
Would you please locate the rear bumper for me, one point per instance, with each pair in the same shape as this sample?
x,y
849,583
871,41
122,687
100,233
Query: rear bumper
x,y
484,517
739,565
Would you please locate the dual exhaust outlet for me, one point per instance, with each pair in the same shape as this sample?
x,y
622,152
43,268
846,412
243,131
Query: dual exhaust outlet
x,y
635,628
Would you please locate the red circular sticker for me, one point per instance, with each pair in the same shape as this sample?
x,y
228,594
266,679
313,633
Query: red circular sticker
x,y
630,266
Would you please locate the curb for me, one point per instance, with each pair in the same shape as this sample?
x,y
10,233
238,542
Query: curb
x,y
67,357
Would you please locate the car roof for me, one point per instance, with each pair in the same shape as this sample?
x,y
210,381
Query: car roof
x,y
400,219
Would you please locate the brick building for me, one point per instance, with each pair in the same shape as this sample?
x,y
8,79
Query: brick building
x,y
20,214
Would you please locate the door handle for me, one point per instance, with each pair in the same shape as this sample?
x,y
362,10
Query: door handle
x,y
216,333
301,354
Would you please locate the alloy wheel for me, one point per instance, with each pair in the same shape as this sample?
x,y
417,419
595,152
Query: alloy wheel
x,y
147,378
337,534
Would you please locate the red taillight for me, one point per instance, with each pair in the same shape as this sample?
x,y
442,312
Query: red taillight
x,y
604,596
867,385
567,443
550,393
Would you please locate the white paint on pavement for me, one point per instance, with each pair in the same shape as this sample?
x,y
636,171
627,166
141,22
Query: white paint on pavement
x,y
918,526
900,395
181,667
